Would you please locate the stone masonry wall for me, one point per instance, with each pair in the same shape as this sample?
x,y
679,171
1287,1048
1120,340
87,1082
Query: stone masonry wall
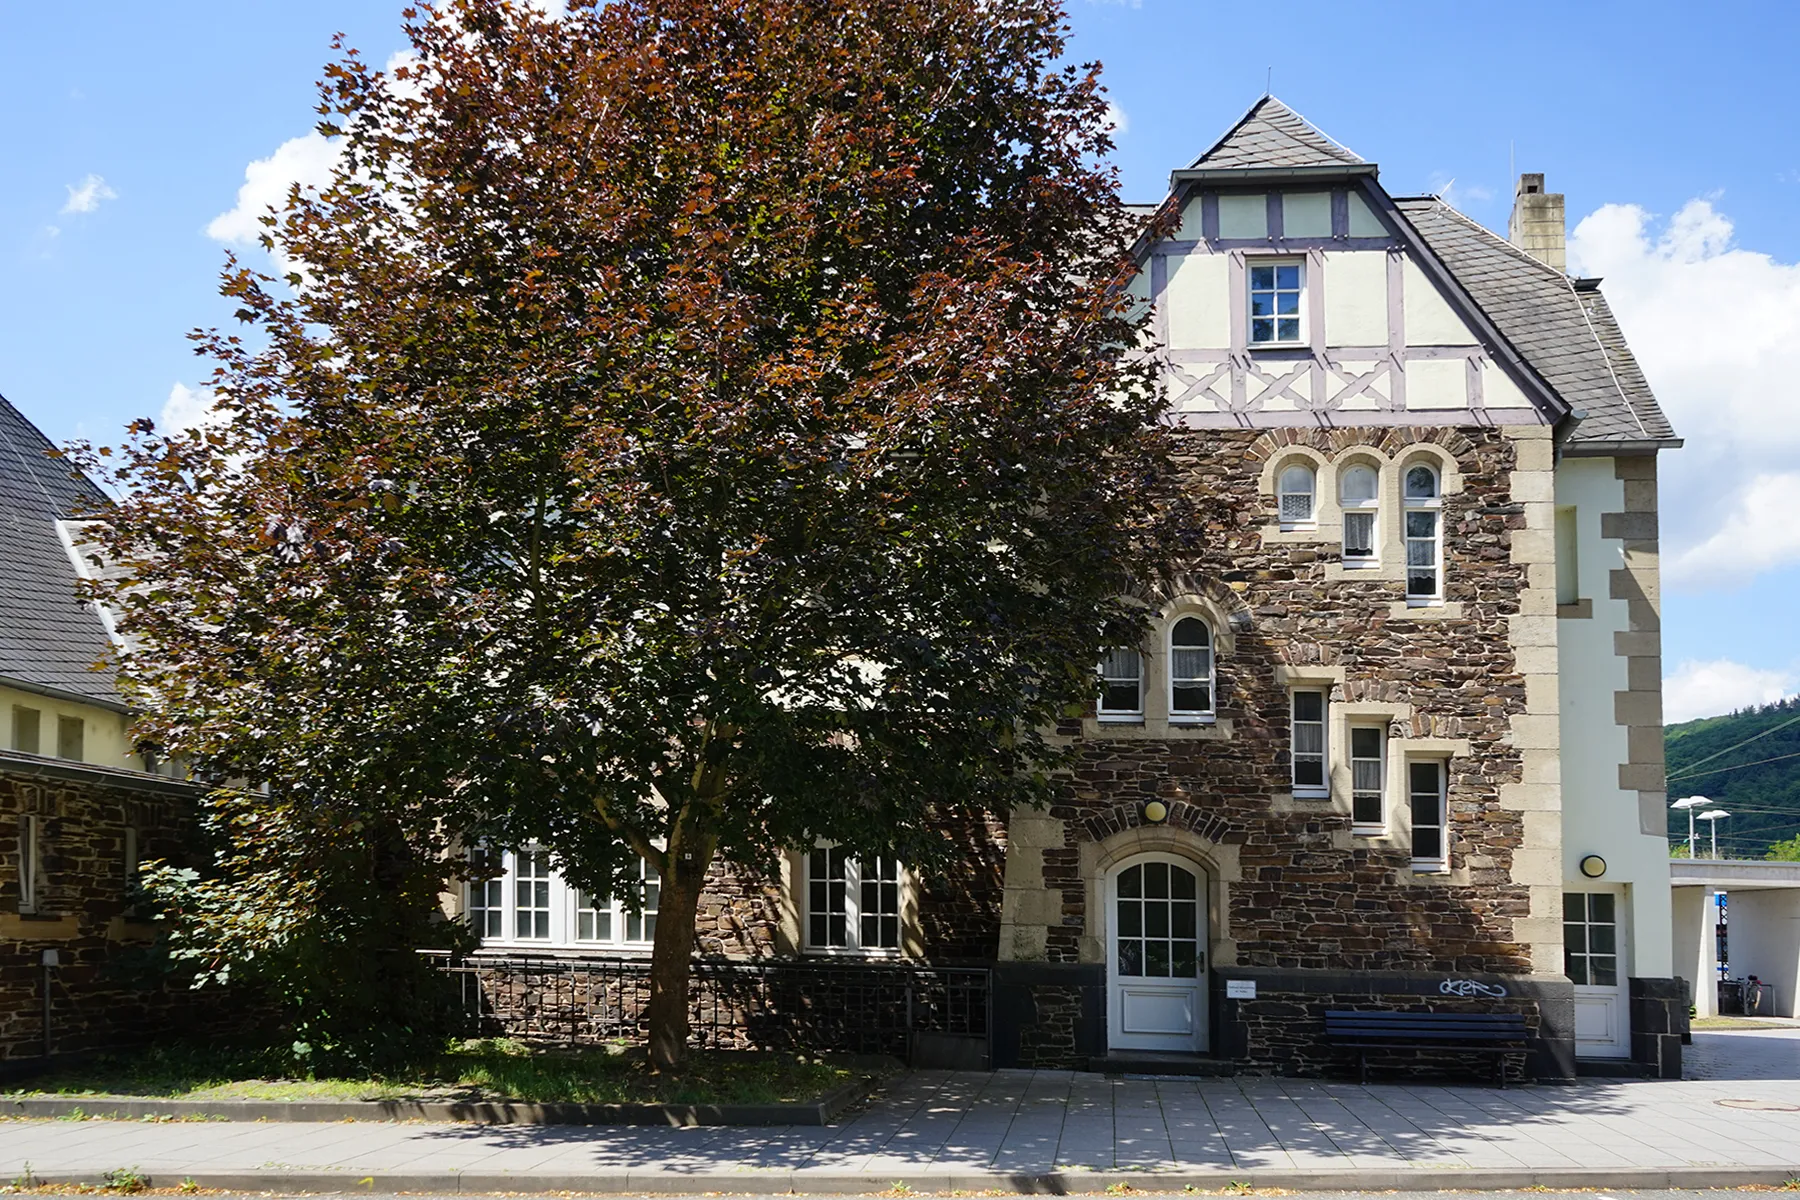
x,y
100,997
1300,891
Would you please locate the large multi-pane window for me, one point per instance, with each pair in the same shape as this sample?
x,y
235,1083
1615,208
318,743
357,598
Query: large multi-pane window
x,y
617,918
1275,290
1423,515
531,895
852,903
1367,779
1121,685
519,897
1309,741
1591,938
1190,670
1360,498
1426,797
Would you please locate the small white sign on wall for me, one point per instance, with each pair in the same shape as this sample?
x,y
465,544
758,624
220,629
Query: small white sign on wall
x,y
1240,989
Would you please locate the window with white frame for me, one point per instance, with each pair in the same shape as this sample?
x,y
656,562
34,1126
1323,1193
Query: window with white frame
x,y
615,919
31,868
1591,939
1296,492
1275,289
519,896
1308,707
531,895
852,903
1190,670
1121,685
1368,779
1359,495
1425,796
1423,506
487,894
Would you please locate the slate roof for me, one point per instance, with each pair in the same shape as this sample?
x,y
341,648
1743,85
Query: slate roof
x,y
48,638
1561,326
1273,135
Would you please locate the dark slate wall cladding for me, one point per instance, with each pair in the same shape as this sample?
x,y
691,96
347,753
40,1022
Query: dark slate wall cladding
x,y
100,996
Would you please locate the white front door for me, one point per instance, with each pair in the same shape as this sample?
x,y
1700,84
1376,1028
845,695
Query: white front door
x,y
1156,966
1593,940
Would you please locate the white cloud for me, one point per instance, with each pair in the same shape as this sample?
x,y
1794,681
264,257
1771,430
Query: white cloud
x,y
86,196
306,160
1706,689
186,408
1115,116
1716,328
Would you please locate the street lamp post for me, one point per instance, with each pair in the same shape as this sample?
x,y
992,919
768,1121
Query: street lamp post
x,y
1691,803
1714,817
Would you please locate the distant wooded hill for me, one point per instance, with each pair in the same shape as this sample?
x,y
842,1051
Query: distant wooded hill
x,y
1747,763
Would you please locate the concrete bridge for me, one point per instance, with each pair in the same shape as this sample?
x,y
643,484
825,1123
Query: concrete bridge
x,y
1763,906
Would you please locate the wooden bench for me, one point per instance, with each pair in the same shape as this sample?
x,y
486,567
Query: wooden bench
x,y
1498,1034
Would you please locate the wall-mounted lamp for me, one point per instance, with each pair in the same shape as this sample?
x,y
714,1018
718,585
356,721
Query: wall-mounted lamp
x,y
1593,866
1156,812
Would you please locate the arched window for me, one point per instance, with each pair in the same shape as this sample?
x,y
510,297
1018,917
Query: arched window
x,y
1359,496
1424,534
1190,670
1295,490
1121,685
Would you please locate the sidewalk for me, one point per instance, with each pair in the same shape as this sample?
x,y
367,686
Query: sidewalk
x,y
1035,1131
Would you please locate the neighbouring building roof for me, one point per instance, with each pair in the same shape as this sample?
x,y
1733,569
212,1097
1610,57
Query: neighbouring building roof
x,y
49,639
1562,326
1273,135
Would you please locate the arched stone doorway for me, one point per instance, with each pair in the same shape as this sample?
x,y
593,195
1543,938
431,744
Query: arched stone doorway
x,y
1157,941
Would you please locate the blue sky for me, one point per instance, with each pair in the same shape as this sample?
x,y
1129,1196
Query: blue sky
x,y
1672,134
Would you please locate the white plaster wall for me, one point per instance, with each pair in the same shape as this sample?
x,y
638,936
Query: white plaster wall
x,y
1190,229
1599,817
104,740
1696,946
1355,298
1196,291
1764,927
1498,390
1437,382
1306,214
1430,321
1243,216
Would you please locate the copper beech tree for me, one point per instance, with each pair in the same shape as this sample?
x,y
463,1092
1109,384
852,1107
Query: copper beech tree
x,y
690,429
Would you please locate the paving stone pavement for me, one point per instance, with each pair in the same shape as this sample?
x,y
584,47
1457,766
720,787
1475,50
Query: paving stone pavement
x,y
940,1128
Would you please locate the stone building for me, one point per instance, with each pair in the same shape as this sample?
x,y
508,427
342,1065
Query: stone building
x,y
1395,739
79,807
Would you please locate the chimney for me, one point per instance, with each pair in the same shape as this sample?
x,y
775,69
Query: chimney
x,y
1536,225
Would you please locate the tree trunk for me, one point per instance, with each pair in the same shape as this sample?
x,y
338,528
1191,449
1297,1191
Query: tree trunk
x,y
671,958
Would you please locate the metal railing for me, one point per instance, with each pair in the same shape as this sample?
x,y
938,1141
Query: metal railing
x,y
800,1004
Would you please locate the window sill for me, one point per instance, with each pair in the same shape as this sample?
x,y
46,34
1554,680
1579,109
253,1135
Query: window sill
x,y
1426,610
1197,719
1299,527
1310,793
1120,718
848,952
1430,868
1361,564
1369,831
1424,602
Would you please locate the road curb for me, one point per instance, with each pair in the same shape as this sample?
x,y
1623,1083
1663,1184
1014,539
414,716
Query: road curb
x,y
819,1112
663,1181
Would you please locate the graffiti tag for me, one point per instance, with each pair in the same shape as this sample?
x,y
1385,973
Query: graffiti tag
x,y
1471,987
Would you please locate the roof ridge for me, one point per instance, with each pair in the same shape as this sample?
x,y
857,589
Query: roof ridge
x,y
1280,120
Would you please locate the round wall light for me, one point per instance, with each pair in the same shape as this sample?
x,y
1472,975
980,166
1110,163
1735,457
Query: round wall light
x,y
1593,866
1156,812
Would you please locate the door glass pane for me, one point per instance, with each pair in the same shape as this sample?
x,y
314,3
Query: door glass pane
x,y
1131,956
1156,958
1131,883
1603,970
1131,918
1600,908
1156,881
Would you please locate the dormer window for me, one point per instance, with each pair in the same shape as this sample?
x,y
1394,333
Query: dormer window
x,y
1275,303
